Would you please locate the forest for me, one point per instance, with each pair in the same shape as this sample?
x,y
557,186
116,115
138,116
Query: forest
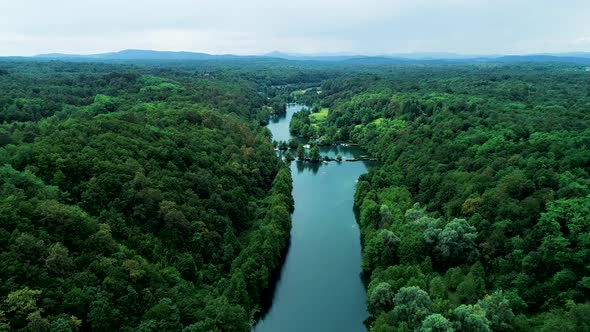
x,y
478,218
135,199
149,196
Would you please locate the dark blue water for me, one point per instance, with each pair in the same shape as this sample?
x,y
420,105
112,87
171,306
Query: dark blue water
x,y
320,288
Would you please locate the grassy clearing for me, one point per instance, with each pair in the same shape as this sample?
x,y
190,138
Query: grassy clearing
x,y
301,92
298,93
320,116
382,123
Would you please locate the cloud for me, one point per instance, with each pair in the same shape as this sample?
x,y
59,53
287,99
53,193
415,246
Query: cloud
x,y
257,26
582,41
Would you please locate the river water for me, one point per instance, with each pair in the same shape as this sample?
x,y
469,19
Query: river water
x,y
320,287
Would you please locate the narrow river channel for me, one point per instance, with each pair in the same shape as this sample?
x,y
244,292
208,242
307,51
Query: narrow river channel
x,y
320,288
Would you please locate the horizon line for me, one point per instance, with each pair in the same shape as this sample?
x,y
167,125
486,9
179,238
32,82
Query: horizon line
x,y
299,54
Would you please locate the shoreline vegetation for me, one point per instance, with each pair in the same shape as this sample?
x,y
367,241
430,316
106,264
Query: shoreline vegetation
x,y
134,198
461,224
148,196
321,158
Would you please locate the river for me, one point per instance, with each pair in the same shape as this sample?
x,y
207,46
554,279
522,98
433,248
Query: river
x,y
320,287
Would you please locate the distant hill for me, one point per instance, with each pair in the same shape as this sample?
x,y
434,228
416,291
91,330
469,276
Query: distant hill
x,y
312,57
571,54
139,55
440,56
581,58
577,58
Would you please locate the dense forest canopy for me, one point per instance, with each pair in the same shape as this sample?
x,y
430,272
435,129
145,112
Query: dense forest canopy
x,y
478,218
135,198
147,196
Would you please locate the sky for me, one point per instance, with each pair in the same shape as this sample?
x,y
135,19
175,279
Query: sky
x,y
370,27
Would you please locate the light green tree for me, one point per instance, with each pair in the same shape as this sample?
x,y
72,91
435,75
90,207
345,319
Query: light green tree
x,y
471,318
436,323
412,305
381,298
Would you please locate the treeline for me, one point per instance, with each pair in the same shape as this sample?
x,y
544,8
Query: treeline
x,y
144,199
478,218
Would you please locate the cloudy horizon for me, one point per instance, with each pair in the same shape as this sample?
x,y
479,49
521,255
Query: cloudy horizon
x,y
370,27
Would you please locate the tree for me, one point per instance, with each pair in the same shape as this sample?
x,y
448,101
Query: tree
x,y
473,285
471,318
37,323
293,144
385,216
412,305
362,188
370,215
300,152
498,311
58,260
381,298
4,325
22,301
436,323
61,324
314,154
288,156
565,225
103,315
437,288
381,250
165,315
236,291
227,317
579,315
453,244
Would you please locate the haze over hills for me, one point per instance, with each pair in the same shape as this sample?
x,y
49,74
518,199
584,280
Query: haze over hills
x,y
140,55
582,58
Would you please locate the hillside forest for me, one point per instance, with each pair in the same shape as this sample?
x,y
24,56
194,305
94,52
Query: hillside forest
x,y
135,199
150,197
478,218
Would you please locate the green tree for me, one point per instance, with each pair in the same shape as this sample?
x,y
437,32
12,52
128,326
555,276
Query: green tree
x,y
436,323
381,298
454,243
288,156
165,315
412,305
58,260
293,144
37,323
22,301
61,325
381,250
437,288
103,314
471,318
314,154
498,311
300,152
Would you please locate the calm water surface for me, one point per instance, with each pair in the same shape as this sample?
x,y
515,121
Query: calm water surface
x,y
320,288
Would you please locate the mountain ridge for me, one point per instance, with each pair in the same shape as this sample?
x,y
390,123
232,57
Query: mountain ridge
x,y
137,54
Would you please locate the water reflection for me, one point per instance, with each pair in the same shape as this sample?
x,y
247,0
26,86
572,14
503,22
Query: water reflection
x,y
276,118
319,287
313,167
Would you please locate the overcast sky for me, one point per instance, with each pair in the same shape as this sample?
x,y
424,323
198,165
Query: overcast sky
x,y
30,27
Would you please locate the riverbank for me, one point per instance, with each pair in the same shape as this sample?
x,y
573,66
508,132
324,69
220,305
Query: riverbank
x,y
319,287
326,158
